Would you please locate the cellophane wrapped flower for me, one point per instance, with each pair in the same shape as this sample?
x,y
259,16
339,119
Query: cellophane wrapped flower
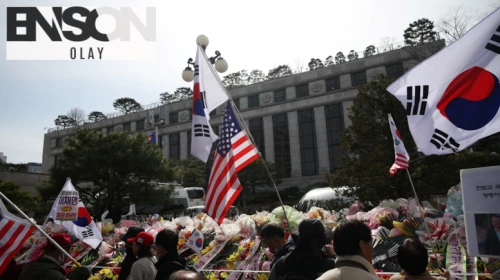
x,y
247,226
356,207
217,275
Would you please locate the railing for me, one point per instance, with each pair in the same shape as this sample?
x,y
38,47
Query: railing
x,y
109,116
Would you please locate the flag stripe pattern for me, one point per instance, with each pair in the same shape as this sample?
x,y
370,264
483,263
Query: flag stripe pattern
x,y
234,152
13,233
402,157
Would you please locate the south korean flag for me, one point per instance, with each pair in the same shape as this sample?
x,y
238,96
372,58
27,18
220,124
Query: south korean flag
x,y
208,94
452,99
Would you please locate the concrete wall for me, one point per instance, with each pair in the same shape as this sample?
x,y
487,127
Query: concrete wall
x,y
28,181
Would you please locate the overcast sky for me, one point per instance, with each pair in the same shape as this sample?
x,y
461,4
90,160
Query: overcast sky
x,y
250,35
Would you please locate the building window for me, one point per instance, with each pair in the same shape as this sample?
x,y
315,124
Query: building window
x,y
160,141
394,71
126,127
59,142
332,84
110,130
307,138
237,103
302,90
174,118
334,126
282,159
256,127
280,95
358,78
174,147
253,101
57,161
140,125
157,119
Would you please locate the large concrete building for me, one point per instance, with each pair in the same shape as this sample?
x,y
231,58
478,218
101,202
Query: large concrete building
x,y
296,120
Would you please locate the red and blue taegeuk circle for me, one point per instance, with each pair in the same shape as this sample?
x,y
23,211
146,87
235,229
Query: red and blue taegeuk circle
x,y
199,242
84,218
472,99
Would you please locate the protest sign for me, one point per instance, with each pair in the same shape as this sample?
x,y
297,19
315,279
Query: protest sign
x,y
481,200
67,206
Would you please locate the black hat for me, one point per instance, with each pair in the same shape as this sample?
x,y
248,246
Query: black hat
x,y
131,233
315,229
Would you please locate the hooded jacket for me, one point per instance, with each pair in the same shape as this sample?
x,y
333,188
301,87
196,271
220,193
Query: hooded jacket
x,y
44,268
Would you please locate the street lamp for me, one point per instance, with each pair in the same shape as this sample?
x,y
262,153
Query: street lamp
x,y
219,63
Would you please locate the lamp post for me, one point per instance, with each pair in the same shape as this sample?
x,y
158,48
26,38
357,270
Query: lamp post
x,y
219,62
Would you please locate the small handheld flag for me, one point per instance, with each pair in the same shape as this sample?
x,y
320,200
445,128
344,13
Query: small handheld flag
x,y
195,241
152,138
402,157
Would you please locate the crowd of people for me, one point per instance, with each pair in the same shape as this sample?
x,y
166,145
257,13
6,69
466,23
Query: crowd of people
x,y
305,255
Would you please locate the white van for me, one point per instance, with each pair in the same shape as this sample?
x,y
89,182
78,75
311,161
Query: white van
x,y
189,197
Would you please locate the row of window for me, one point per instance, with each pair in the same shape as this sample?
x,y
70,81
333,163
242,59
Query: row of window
x,y
307,140
357,79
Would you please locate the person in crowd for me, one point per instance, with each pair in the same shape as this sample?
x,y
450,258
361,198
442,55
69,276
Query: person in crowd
x,y
48,266
274,237
352,242
144,268
186,275
12,271
166,252
492,243
306,261
414,259
80,273
130,258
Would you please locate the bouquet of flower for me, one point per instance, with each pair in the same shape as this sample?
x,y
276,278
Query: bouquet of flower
x,y
105,274
261,219
240,254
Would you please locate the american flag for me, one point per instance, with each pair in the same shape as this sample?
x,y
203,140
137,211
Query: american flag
x,y
234,152
13,233
402,157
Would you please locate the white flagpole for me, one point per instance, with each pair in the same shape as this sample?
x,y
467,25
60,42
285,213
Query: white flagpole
x,y
41,230
420,207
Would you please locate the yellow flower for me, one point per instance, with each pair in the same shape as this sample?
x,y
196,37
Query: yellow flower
x,y
224,275
230,265
181,241
262,276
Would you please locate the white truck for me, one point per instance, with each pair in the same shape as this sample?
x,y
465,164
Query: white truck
x,y
186,197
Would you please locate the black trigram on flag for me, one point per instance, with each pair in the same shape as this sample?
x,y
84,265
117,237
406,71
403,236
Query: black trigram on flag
x,y
491,44
196,70
88,232
443,141
416,100
204,99
201,130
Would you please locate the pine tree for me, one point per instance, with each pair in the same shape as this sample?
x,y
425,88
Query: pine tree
x,y
420,32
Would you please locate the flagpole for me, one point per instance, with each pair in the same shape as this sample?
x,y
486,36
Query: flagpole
x,y
423,217
251,138
156,134
41,230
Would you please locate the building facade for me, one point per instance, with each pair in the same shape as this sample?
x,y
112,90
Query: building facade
x,y
296,121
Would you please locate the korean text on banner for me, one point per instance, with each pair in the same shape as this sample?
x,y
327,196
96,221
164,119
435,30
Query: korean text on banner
x,y
67,206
